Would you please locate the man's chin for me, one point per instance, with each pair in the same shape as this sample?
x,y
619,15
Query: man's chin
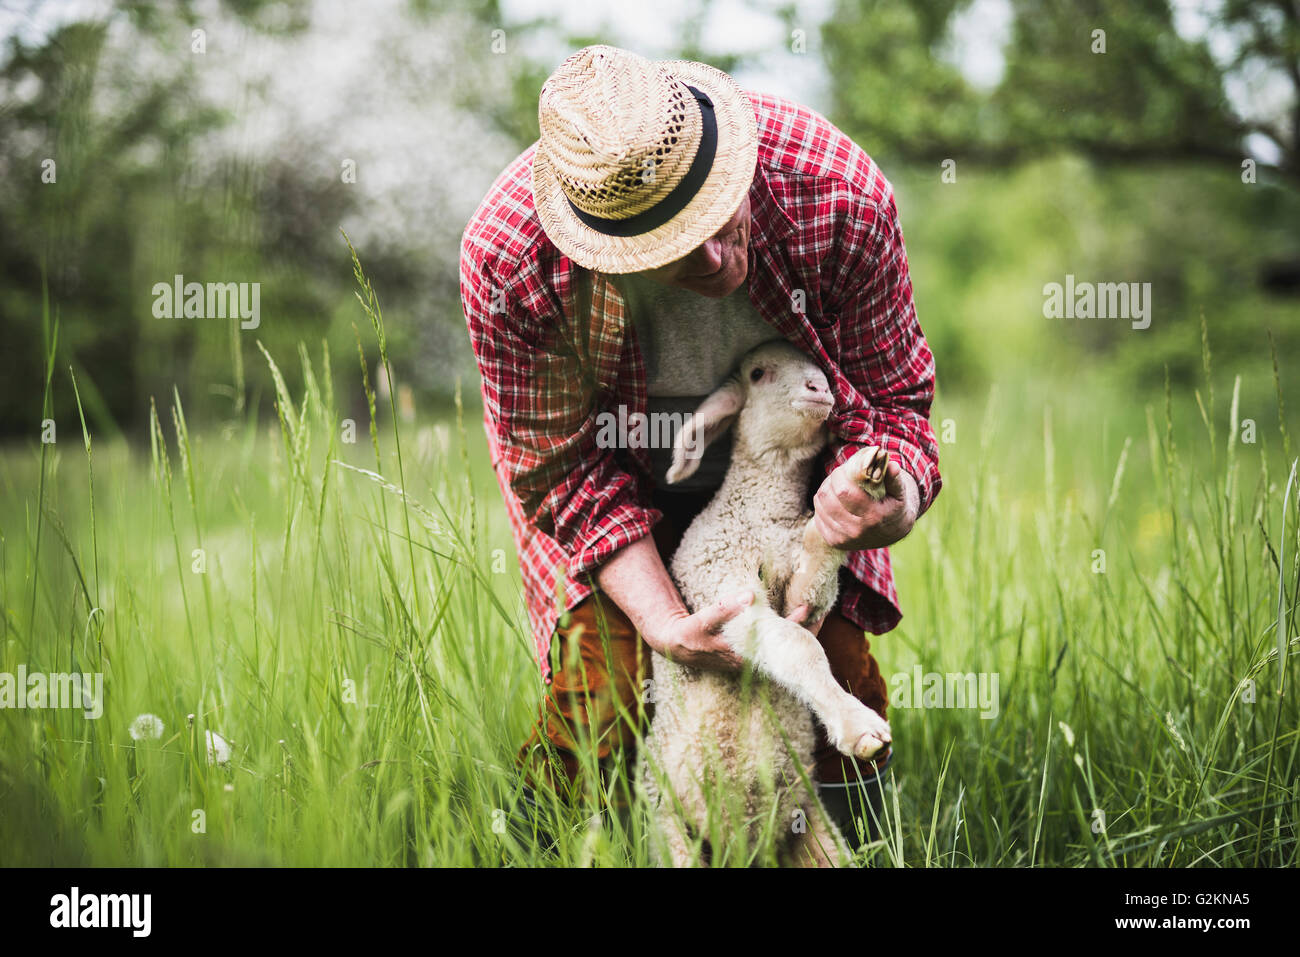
x,y
716,287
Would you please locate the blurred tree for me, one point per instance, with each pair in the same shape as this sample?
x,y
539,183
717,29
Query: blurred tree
x,y
892,92
101,178
1114,79
151,173
1111,77
1268,40
1148,187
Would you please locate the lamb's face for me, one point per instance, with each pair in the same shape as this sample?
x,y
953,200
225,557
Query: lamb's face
x,y
787,397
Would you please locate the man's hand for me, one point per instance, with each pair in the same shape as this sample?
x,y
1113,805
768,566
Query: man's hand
x,y
636,580
850,519
696,640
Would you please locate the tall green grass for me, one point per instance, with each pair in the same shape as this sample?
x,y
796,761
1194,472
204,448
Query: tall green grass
x,y
347,615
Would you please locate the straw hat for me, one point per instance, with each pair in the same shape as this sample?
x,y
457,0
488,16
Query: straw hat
x,y
639,161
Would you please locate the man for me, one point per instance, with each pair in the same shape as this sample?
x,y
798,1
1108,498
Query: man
x,y
665,222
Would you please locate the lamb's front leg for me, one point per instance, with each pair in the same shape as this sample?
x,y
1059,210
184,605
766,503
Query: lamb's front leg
x,y
789,655
815,580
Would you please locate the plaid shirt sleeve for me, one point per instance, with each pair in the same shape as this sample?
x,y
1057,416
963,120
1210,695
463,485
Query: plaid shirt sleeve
x,y
884,354
540,402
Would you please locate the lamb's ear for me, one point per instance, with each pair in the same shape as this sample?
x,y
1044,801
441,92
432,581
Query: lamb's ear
x,y
710,420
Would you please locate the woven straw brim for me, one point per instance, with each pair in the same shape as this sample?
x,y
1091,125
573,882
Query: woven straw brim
x,y
716,202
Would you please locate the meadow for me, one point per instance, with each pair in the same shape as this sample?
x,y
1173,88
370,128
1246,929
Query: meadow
x,y
338,600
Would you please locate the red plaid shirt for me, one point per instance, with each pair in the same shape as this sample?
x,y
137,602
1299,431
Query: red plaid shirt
x,y
554,344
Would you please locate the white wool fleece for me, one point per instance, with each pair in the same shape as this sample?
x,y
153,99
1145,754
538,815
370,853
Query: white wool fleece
x,y
755,535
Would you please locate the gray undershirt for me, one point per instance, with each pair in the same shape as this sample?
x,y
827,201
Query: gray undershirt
x,y
690,344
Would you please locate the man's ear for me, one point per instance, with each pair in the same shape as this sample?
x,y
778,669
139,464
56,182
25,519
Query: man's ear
x,y
710,420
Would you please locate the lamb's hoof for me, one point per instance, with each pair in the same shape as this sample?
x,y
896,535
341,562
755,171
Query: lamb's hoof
x,y
869,466
866,746
866,734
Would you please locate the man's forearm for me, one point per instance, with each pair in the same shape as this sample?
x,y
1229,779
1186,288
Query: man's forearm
x,y
637,582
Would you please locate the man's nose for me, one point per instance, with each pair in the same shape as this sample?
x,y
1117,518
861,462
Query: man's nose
x,y
706,259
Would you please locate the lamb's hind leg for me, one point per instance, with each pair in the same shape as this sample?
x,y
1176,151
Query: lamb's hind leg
x,y
679,845
789,655
820,844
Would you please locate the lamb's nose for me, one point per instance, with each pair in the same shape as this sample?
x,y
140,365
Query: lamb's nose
x,y
812,385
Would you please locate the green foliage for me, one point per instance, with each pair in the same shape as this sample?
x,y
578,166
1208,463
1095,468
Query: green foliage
x,y
982,248
1110,77
147,185
1115,79
133,202
890,91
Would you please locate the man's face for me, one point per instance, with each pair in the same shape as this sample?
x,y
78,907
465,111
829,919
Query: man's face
x,y
716,267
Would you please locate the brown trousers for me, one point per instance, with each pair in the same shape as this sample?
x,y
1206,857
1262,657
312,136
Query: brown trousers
x,y
599,666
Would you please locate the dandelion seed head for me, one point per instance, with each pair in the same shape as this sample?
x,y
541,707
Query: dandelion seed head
x,y
218,748
146,727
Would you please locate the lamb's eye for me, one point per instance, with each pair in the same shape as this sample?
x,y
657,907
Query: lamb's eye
x,y
756,375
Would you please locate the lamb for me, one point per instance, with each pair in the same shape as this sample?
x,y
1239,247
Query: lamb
x,y
757,534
